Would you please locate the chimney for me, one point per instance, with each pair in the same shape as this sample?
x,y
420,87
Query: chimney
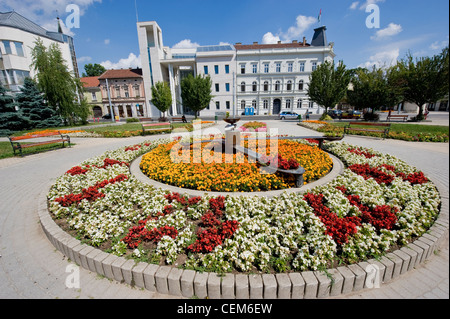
x,y
255,43
238,43
304,41
279,42
294,41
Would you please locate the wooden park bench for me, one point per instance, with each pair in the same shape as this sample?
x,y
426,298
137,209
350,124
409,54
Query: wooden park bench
x,y
145,119
371,127
397,116
152,127
179,119
45,139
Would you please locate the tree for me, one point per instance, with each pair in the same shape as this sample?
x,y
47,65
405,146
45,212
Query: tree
x,y
61,89
10,119
374,89
93,69
31,104
161,96
425,80
328,84
196,92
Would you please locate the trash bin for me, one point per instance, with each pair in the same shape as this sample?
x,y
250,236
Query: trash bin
x,y
117,118
299,117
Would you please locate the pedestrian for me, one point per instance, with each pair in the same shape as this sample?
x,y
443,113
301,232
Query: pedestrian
x,y
307,115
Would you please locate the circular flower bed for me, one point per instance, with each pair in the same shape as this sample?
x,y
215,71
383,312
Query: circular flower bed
x,y
376,205
234,174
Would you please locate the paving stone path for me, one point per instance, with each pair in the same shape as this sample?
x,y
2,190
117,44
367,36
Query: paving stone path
x,y
31,268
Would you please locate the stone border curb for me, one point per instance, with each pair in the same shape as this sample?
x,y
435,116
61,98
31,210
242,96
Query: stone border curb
x,y
298,285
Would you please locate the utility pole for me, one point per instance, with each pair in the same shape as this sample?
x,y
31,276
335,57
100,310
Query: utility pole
x,y
110,105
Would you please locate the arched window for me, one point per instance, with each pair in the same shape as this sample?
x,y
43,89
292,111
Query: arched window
x,y
277,85
289,86
242,86
300,85
254,84
266,86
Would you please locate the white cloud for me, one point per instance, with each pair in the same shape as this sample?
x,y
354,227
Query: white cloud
x,y
382,59
107,41
132,61
369,2
439,45
302,23
269,38
44,12
354,5
84,59
391,30
186,44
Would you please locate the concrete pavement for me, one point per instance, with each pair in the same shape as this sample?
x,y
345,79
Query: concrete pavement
x,y
30,267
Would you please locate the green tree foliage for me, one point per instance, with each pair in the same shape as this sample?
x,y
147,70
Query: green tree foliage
x,y
161,96
93,69
31,104
196,92
61,89
10,119
425,80
328,84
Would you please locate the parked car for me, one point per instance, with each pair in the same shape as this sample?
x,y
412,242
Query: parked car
x,y
350,115
106,117
288,116
335,113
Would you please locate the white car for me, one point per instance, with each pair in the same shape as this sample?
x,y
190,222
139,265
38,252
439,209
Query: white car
x,y
288,116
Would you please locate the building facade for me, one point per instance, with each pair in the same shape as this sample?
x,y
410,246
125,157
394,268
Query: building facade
x,y
122,93
17,38
93,95
262,79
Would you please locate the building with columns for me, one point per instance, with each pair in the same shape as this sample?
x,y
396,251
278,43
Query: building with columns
x,y
126,93
264,78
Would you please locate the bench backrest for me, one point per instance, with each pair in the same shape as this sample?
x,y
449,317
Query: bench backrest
x,y
370,124
156,124
25,137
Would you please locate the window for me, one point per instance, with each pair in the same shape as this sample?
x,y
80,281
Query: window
x,y
217,87
266,67
242,68
227,103
254,68
205,68
117,91
311,105
12,79
299,103
94,96
300,85
314,66
266,86
277,85
216,69
137,92
302,67
254,104
21,75
288,103
127,94
19,48
3,78
243,104
7,47
242,86
289,86
290,67
254,84
227,87
227,69
217,105
265,104
278,67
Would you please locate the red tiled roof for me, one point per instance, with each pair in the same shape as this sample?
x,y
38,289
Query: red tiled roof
x,y
270,46
121,74
90,81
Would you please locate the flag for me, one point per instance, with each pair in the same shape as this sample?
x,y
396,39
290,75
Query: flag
x,y
320,15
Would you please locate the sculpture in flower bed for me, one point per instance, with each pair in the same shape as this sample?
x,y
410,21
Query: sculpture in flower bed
x,y
356,216
253,127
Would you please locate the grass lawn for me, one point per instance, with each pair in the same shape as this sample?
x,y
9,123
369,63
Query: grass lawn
x,y
7,151
129,129
409,132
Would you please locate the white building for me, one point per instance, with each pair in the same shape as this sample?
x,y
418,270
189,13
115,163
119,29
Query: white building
x,y
17,38
263,78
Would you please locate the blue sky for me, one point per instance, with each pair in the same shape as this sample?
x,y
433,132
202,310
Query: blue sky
x,y
108,33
